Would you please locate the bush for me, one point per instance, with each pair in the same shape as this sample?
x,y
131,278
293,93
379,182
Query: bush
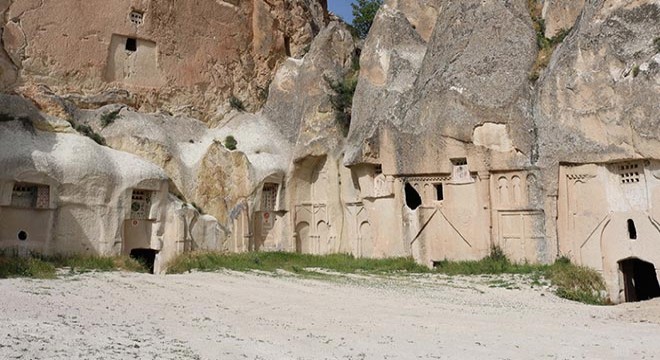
x,y
656,42
230,143
236,103
86,130
109,117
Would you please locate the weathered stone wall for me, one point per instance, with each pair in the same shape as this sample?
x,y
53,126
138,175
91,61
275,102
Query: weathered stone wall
x,y
184,53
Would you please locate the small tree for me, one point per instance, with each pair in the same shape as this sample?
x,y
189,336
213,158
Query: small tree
x,y
364,12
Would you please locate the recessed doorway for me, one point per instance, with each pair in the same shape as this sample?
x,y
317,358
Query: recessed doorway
x,y
145,256
640,280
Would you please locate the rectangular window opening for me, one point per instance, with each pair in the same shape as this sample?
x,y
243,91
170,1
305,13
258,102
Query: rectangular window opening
x,y
30,196
459,161
269,197
131,44
439,192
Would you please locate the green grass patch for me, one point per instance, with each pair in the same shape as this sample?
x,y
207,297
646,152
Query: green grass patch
x,y
45,267
495,263
30,267
293,262
571,282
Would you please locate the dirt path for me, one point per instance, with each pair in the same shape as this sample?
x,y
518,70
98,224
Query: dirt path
x,y
253,316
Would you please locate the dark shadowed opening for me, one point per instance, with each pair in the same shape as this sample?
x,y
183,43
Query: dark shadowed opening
x,y
145,256
439,192
632,230
287,46
413,200
640,280
131,44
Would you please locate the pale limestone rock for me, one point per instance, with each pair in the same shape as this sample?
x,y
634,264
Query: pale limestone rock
x,y
89,195
598,123
299,103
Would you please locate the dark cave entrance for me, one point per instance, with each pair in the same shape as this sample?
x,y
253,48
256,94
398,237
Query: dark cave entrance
x,y
640,280
146,257
413,200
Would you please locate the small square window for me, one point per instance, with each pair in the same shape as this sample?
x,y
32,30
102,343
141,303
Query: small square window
x,y
131,44
137,17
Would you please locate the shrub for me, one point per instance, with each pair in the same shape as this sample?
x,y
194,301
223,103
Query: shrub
x,y
230,143
109,117
89,132
656,42
236,103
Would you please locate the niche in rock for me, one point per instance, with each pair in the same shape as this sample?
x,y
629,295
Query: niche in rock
x,y
632,230
413,200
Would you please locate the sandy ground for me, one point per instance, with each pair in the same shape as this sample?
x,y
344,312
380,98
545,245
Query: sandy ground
x,y
257,316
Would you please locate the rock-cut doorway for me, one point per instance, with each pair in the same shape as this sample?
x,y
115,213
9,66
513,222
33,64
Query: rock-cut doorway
x,y
640,280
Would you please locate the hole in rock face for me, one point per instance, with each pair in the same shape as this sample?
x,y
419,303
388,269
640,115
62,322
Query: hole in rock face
x,y
439,192
640,280
146,257
413,200
632,230
131,44
22,235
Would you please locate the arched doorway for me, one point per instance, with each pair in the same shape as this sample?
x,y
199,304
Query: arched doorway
x,y
302,238
640,280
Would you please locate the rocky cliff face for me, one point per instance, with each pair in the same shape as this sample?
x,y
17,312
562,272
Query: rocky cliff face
x,y
600,97
181,56
518,124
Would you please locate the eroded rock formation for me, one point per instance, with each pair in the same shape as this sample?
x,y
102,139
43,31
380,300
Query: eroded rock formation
x,y
469,130
177,55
